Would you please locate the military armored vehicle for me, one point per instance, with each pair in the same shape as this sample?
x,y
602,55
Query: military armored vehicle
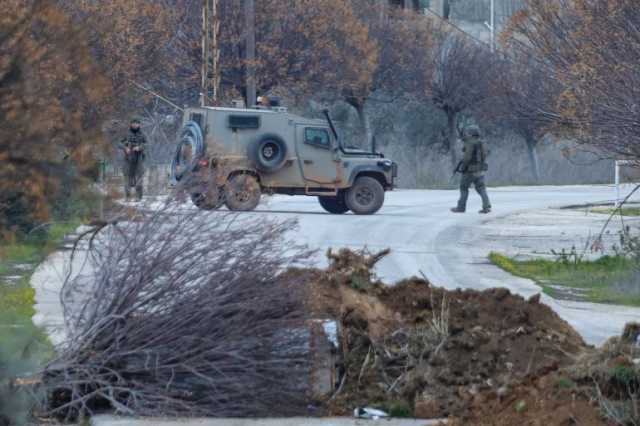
x,y
233,155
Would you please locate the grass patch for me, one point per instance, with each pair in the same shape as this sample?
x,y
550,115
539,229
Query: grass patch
x,y
398,409
596,280
17,298
626,211
33,248
565,383
24,348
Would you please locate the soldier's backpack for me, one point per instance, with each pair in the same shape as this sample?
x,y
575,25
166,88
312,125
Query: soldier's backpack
x,y
478,158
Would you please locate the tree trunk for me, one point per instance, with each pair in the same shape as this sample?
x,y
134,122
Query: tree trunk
x,y
446,10
452,137
382,6
533,158
365,123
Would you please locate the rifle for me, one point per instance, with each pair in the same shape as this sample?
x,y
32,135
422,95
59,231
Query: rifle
x,y
132,158
458,168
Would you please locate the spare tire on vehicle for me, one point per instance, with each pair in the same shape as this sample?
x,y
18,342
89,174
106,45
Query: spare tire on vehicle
x,y
191,138
268,153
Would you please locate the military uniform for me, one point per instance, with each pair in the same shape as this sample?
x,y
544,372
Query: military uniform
x,y
473,168
133,147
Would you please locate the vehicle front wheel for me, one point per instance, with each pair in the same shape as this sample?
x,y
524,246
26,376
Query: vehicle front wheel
x,y
242,193
366,196
334,205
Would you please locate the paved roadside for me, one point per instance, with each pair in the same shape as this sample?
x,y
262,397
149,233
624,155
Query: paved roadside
x,y
293,421
424,236
530,234
48,280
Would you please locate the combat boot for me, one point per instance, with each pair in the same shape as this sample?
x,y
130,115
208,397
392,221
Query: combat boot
x,y
457,210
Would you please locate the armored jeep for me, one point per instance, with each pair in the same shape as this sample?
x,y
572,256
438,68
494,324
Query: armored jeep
x,y
233,155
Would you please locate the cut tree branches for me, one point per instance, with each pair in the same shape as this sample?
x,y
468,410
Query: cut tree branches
x,y
183,315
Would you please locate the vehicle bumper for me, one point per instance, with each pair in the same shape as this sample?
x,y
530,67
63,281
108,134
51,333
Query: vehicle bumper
x,y
394,175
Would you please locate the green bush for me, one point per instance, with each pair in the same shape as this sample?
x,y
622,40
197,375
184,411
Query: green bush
x,y
23,348
565,383
624,375
398,409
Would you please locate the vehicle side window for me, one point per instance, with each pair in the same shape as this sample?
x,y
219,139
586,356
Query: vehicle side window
x,y
244,122
317,137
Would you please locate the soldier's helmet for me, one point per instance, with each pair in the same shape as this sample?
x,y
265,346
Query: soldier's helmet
x,y
472,131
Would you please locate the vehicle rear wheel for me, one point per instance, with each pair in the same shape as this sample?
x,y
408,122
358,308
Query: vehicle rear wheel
x,y
242,192
366,196
211,199
334,205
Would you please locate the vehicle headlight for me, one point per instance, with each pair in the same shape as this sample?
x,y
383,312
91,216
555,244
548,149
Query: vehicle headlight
x,y
386,164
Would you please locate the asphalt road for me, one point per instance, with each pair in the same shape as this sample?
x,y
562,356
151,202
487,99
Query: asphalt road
x,y
293,421
424,236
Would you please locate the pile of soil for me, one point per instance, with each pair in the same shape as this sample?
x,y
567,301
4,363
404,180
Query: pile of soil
x,y
549,399
418,350
601,387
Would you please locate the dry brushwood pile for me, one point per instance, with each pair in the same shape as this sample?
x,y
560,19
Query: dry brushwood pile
x,y
415,349
182,314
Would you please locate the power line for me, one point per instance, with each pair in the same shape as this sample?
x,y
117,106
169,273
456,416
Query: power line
x,y
456,27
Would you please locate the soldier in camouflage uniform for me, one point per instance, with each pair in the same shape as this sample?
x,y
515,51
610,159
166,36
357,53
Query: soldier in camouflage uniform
x,y
133,147
473,167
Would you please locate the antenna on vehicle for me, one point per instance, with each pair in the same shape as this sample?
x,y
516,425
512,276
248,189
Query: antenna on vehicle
x,y
333,129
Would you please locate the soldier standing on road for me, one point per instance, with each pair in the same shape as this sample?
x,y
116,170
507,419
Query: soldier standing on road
x,y
133,147
473,167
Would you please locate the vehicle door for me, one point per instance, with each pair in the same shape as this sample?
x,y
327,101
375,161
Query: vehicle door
x,y
318,158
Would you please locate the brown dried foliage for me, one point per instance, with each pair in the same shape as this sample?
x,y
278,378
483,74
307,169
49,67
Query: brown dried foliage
x,y
591,48
48,126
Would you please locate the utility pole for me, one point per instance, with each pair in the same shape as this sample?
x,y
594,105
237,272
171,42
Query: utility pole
x,y
492,25
250,25
210,53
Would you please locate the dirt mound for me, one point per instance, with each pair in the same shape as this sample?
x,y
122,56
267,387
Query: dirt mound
x,y
415,349
548,400
601,387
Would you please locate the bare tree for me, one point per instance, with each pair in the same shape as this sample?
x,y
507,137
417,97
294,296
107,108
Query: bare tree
x,y
591,49
524,92
460,80
185,314
404,39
